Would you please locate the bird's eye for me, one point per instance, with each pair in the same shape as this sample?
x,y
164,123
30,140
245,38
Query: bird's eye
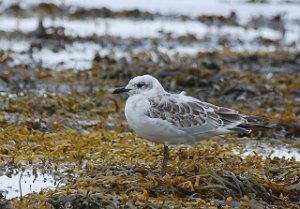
x,y
140,85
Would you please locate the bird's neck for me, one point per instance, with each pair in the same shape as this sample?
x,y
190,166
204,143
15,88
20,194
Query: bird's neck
x,y
159,90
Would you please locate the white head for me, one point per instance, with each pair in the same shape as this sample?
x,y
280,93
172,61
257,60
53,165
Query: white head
x,y
146,84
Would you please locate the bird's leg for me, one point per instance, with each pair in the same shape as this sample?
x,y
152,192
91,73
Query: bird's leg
x,y
165,160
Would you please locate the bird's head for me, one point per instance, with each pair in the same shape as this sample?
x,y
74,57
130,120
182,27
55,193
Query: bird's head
x,y
146,84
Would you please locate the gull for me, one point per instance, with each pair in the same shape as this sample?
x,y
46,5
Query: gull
x,y
171,119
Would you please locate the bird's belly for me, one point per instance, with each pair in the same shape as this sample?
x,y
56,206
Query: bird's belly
x,y
158,131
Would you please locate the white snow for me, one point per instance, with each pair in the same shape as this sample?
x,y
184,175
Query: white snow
x,y
127,28
187,7
25,183
266,149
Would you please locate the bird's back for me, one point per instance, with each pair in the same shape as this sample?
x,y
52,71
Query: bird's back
x,y
199,119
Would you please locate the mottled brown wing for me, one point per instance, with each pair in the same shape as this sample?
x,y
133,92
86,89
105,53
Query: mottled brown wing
x,y
189,114
228,116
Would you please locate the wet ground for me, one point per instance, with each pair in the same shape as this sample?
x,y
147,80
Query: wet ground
x,y
64,140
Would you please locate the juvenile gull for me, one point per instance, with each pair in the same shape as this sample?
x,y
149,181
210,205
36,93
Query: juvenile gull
x,y
170,119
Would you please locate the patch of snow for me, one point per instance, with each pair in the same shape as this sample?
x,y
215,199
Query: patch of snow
x,y
266,149
26,182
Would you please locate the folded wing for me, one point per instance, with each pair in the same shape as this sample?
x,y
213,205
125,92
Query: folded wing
x,y
196,117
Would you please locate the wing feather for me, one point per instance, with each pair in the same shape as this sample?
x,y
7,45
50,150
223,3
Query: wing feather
x,y
196,117
186,114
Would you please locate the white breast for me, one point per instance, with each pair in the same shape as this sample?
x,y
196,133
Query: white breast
x,y
135,109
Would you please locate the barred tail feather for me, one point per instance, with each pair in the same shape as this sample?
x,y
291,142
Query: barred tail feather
x,y
254,119
253,123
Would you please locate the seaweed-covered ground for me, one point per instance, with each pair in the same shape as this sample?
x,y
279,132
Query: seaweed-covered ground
x,y
60,62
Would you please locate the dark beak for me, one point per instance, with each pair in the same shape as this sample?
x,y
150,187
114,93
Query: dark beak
x,y
120,90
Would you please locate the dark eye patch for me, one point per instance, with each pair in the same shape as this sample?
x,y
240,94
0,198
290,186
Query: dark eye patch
x,y
140,84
